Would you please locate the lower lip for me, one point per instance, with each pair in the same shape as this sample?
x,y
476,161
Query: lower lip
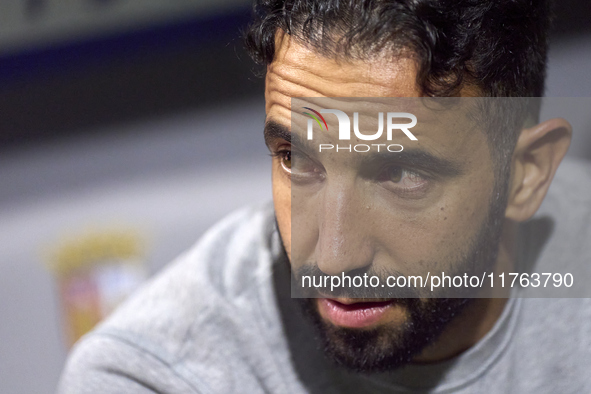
x,y
358,315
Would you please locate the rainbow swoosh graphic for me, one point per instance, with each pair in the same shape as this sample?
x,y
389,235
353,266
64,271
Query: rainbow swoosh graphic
x,y
315,117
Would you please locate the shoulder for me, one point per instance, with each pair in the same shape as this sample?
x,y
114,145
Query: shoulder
x,y
109,364
558,237
222,270
552,345
191,319
557,319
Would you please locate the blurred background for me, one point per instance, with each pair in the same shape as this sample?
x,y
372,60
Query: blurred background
x,y
127,128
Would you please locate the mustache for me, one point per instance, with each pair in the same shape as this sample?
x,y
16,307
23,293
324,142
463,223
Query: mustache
x,y
323,288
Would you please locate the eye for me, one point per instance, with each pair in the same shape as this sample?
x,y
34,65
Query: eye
x,y
394,174
285,158
399,179
301,168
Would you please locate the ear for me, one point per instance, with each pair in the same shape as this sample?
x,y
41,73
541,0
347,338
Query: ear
x,y
538,152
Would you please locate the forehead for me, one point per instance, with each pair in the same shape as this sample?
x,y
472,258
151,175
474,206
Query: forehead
x,y
299,71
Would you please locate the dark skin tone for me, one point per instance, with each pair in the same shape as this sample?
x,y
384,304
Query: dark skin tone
x,y
442,214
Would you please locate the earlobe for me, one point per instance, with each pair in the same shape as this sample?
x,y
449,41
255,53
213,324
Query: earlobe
x,y
538,152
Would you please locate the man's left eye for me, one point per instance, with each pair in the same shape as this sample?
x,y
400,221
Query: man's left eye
x,y
400,178
394,174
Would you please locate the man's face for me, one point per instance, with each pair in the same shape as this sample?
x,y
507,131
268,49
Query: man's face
x,y
355,216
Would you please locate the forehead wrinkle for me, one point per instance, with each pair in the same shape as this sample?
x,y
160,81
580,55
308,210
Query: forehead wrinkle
x,y
304,67
281,111
349,85
308,84
285,85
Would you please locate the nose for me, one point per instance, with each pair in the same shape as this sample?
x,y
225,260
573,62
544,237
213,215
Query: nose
x,y
344,242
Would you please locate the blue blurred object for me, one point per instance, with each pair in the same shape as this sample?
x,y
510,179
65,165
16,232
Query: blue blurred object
x,y
77,54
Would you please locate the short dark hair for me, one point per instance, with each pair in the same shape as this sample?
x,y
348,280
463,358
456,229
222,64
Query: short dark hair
x,y
499,46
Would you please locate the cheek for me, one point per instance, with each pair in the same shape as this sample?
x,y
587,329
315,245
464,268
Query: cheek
x,y
435,238
282,203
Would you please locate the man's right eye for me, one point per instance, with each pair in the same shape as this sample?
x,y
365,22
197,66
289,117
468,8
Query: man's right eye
x,y
285,158
300,167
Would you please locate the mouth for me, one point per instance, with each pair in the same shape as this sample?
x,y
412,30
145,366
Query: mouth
x,y
353,313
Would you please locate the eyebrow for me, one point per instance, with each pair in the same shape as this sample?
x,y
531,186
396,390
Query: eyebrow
x,y
414,158
274,131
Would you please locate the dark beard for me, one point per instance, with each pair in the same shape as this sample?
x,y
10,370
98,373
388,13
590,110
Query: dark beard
x,y
385,347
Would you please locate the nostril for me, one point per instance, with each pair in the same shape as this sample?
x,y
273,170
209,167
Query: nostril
x,y
359,271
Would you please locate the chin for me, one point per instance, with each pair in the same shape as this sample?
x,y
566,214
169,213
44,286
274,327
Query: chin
x,y
388,345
